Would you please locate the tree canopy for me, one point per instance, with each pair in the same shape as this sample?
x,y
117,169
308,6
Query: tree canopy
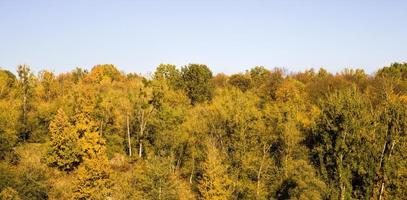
x,y
185,133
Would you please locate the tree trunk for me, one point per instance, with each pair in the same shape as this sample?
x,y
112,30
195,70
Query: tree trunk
x,y
342,188
159,191
381,191
143,118
382,171
192,171
265,150
142,125
128,135
140,150
101,127
25,137
383,180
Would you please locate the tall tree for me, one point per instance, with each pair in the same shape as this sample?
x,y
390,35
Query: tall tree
x,y
25,87
144,110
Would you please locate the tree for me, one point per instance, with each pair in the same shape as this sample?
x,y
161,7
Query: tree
x,y
343,144
64,151
7,142
144,109
393,76
267,90
234,122
259,75
214,183
48,85
7,82
31,182
9,119
397,71
78,74
393,129
93,176
197,83
25,88
93,180
152,179
106,72
301,183
8,176
220,80
9,194
90,141
240,81
255,135
169,74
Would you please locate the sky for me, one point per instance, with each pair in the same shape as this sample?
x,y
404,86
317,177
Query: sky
x,y
228,36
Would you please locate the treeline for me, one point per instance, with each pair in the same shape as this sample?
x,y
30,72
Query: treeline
x,y
184,133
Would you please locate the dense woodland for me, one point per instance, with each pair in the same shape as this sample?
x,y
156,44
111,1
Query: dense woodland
x,y
185,133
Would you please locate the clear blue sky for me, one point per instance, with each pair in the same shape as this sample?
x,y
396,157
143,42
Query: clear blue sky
x,y
228,36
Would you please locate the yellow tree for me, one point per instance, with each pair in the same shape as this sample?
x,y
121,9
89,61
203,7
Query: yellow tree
x,y
9,194
63,152
93,175
215,184
94,179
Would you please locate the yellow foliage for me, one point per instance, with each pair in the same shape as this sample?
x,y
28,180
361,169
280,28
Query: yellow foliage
x,y
9,193
93,179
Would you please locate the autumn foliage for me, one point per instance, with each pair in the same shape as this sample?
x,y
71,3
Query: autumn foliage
x,y
185,133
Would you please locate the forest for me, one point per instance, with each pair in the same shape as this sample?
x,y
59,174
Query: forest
x,y
183,132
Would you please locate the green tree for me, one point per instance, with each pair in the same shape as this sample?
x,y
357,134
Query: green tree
x,y
342,134
392,168
259,75
169,74
240,81
301,183
397,71
32,182
197,83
